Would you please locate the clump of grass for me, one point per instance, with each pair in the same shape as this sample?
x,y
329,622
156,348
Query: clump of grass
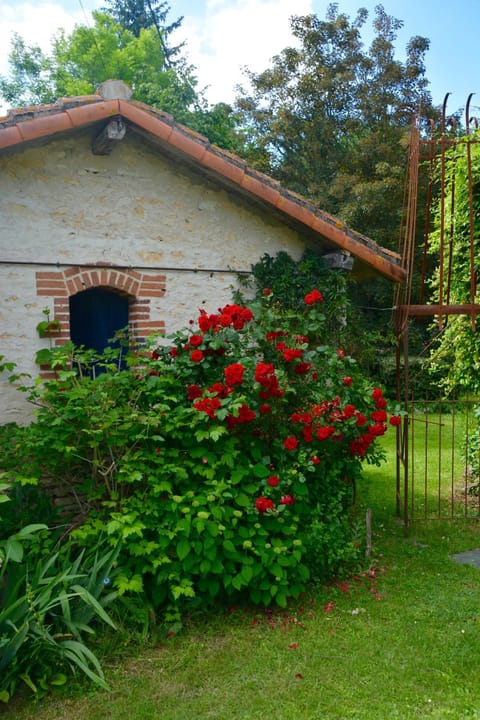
x,y
400,640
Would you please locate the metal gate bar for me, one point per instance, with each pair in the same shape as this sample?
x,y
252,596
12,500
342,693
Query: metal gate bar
x,y
439,479
434,441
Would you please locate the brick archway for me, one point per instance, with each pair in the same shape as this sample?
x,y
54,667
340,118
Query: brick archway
x,y
139,287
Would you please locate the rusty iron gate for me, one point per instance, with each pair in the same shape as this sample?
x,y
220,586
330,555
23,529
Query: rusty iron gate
x,y
437,455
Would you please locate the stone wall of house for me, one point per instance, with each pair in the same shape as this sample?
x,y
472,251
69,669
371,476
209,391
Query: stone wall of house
x,y
174,239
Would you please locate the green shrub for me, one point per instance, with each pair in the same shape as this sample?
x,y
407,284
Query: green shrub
x,y
46,607
223,464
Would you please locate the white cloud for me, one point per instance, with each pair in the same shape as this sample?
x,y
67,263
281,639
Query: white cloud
x,y
234,34
35,22
223,37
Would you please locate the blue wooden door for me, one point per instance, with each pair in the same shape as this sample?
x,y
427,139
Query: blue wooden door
x,y
95,316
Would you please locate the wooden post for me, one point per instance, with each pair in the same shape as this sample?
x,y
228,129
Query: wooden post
x,y
368,523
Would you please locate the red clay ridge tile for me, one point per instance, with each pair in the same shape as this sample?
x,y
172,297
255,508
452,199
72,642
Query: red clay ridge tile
x,y
44,125
10,136
187,144
296,210
67,102
85,114
31,111
148,123
260,188
156,112
215,160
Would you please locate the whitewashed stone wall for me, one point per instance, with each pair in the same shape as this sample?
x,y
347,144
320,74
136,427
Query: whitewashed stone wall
x,y
62,207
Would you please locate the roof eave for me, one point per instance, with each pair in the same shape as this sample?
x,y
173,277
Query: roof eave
x,y
28,126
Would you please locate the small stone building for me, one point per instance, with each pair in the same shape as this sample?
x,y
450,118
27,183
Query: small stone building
x,y
112,214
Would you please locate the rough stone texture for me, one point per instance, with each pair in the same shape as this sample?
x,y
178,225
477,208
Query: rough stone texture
x,y
469,557
62,206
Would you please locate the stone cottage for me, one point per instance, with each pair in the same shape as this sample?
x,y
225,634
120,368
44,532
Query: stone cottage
x,y
113,214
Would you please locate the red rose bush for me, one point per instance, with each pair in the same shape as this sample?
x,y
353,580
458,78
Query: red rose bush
x,y
225,461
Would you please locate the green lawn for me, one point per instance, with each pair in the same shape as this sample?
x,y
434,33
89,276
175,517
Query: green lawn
x,y
401,640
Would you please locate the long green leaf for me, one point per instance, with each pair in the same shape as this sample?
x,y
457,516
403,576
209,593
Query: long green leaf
x,y
11,648
90,600
81,656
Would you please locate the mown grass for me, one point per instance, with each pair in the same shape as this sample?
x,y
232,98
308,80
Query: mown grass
x,y
401,640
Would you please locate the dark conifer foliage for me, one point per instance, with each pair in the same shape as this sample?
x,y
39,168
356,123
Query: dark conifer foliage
x,y
135,15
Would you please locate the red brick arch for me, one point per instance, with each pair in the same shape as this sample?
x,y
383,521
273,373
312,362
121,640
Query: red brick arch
x,y
139,287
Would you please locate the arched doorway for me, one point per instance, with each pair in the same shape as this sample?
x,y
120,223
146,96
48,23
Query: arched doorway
x,y
96,315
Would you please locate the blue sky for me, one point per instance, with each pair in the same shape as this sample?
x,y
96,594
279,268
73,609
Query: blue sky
x,y
224,35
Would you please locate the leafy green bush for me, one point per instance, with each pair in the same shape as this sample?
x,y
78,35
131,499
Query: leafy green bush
x,y
223,464
46,606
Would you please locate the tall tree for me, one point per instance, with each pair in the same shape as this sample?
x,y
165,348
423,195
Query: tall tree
x,y
329,117
135,15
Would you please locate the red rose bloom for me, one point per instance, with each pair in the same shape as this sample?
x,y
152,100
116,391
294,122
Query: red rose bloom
x,y
263,504
377,393
324,432
307,433
273,481
286,500
208,406
264,409
379,415
267,292
377,429
395,420
174,352
196,356
290,443
195,340
194,392
218,389
380,403
234,374
348,411
290,354
264,372
315,460
245,415
347,381
302,367
313,297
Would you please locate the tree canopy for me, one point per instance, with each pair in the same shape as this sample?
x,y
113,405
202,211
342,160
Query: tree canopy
x,y
329,117
135,15
79,62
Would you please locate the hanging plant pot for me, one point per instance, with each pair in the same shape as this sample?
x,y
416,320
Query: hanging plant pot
x,y
48,328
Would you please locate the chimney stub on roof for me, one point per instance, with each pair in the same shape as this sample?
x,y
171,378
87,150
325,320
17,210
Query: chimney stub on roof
x,y
114,90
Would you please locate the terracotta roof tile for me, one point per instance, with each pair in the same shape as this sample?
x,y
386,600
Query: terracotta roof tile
x,y
187,144
44,125
89,113
266,191
147,121
10,136
214,160
42,121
